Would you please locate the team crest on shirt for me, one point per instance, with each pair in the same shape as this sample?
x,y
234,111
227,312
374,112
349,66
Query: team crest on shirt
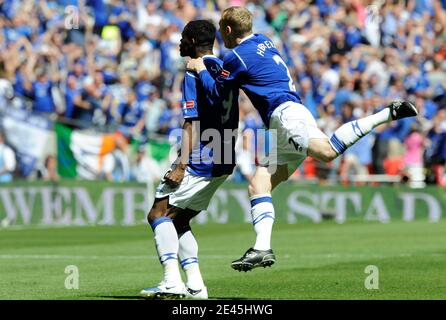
x,y
188,104
224,73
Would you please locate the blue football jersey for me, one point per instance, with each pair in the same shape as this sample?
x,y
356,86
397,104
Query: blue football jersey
x,y
214,156
255,66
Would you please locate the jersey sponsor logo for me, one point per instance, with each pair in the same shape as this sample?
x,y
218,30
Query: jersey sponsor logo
x,y
188,104
224,73
215,69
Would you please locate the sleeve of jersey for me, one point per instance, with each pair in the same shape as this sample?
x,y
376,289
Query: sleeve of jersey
x,y
189,99
219,88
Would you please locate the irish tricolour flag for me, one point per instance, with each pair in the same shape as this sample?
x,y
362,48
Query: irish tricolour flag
x,y
80,153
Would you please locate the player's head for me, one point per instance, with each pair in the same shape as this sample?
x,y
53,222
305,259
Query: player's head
x,y
235,23
197,38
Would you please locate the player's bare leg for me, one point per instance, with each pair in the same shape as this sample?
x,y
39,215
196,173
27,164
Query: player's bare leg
x,y
350,132
321,150
262,211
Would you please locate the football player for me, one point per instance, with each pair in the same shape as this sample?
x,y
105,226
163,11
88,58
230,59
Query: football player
x,y
256,66
200,169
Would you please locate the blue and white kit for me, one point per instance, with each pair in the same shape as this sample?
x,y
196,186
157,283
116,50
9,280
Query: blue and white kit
x,y
210,162
255,65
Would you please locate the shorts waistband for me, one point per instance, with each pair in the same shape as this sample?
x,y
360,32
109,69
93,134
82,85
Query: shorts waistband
x,y
286,104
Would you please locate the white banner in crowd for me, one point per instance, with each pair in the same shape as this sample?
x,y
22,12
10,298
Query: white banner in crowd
x,y
30,135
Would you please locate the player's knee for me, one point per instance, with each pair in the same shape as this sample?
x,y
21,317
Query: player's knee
x,y
154,214
256,187
328,154
322,150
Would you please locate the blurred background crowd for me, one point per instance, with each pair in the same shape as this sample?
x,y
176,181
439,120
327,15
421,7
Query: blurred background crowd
x,y
113,65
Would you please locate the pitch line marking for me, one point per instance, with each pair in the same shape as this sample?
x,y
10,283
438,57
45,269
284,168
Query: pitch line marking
x,y
203,256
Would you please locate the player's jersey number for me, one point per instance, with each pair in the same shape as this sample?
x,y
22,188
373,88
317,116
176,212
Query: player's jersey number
x,y
279,60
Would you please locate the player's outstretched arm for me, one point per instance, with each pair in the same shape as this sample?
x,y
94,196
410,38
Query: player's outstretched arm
x,y
217,90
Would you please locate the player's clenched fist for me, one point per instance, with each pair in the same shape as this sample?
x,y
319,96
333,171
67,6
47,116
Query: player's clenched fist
x,y
175,176
196,65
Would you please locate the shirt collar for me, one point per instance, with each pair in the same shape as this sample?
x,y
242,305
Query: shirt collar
x,y
209,56
246,38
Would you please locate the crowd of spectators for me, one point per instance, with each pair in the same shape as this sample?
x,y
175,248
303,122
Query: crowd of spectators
x,y
116,64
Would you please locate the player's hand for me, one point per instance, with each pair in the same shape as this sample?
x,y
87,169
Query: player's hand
x,y
174,177
196,65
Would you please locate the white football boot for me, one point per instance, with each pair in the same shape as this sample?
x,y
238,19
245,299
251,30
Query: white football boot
x,y
197,294
165,291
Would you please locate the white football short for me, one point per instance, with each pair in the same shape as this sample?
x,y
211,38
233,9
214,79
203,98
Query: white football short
x,y
292,125
194,192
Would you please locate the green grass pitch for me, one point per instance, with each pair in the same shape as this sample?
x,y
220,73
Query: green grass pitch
x,y
314,261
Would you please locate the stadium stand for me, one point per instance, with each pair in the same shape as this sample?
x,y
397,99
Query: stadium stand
x,y
107,66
